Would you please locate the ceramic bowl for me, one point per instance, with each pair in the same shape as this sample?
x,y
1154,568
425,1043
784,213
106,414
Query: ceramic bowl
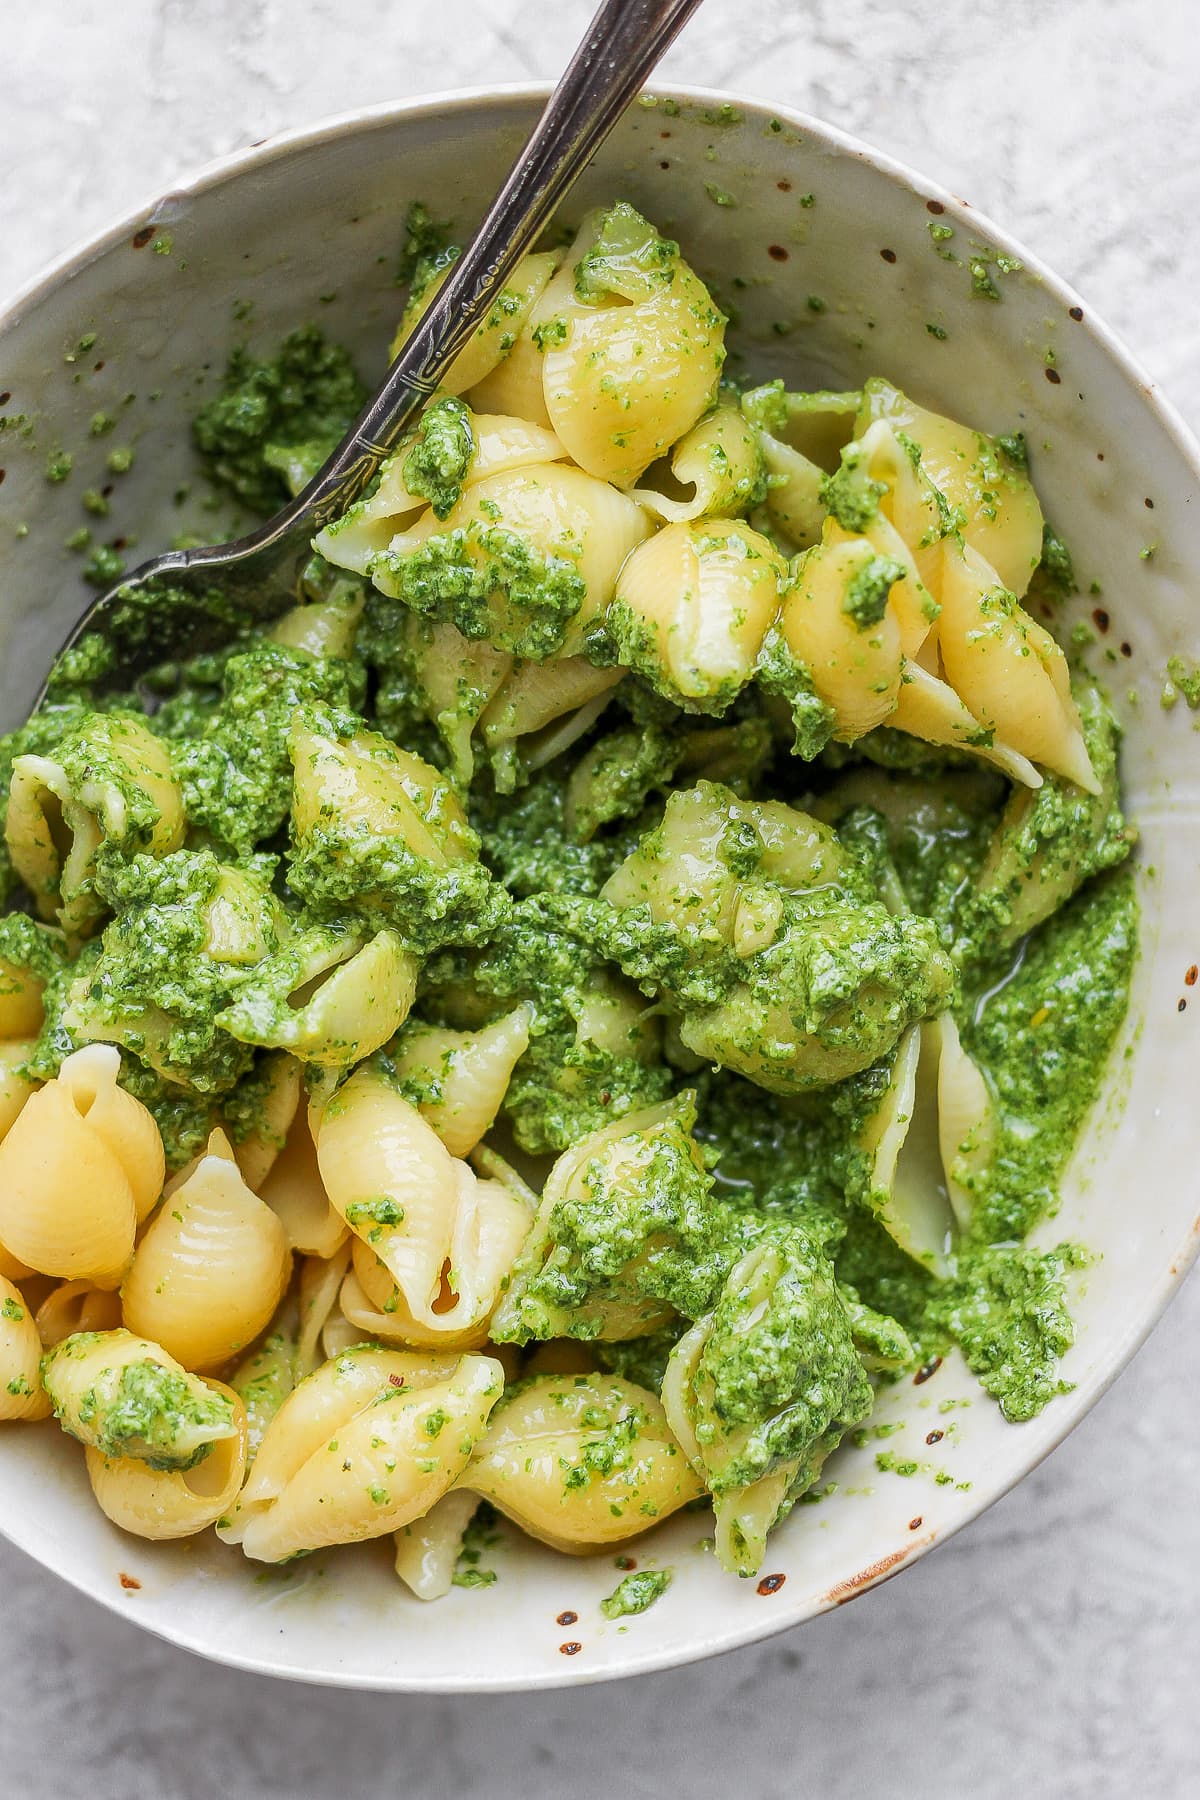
x,y
837,263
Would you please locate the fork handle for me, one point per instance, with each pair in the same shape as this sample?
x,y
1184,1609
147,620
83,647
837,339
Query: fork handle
x,y
624,42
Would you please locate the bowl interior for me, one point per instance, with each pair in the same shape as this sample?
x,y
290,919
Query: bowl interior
x,y
835,265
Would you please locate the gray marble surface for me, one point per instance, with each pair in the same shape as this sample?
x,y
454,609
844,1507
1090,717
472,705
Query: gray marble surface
x,y
1051,1650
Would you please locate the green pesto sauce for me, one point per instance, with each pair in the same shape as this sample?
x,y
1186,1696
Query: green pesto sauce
x,y
274,423
636,1593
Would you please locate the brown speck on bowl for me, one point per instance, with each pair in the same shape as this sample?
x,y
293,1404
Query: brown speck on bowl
x,y
1126,648
934,1437
567,1618
916,1524
934,206
1148,502
571,1649
129,1582
1191,976
1100,618
778,252
624,1562
1075,312
771,1584
142,238
1182,1007
926,1370
888,256
1052,375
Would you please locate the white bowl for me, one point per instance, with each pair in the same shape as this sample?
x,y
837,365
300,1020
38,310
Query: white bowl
x,y
309,226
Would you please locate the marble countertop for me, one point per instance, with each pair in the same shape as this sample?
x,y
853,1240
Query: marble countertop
x,y
1050,1649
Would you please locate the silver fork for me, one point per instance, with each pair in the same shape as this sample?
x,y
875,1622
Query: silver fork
x,y
256,577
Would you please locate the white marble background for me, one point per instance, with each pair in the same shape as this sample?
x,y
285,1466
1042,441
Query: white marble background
x,y
1053,1650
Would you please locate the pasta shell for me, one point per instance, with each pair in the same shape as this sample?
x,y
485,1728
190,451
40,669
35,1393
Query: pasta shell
x,y
211,1269
295,1194
402,1431
692,607
427,1549
22,1395
445,1238
464,1074
320,1281
162,1504
80,1166
1008,669
533,1462
125,1396
854,660
719,459
21,1009
76,1306
279,1082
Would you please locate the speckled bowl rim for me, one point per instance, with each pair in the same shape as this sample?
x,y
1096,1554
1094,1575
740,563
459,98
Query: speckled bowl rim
x,y
1069,1409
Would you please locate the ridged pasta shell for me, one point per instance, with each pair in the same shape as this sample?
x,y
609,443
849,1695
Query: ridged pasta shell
x,y
211,1268
1008,669
81,1164
161,1504
373,1406
526,1461
465,1074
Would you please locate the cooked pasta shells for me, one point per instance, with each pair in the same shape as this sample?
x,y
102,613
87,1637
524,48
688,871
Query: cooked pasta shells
x,y
21,1393
80,1166
928,707
111,781
634,354
494,338
692,607
719,460
126,1397
526,559
267,1376
294,1192
582,1462
211,1267
992,497
75,1306
427,1549
459,1078
369,1442
328,997
839,622
499,443
445,1238
540,710
928,1143
799,437
1008,669
322,627
161,1504
276,1088
321,1279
